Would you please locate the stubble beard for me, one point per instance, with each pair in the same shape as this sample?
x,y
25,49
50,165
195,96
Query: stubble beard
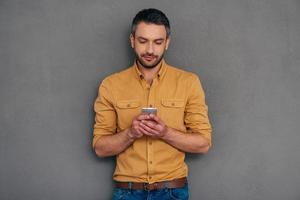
x,y
148,66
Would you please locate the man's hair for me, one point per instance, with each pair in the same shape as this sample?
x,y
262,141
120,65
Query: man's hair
x,y
152,16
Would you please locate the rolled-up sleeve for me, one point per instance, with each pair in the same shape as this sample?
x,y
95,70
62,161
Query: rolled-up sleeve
x,y
105,118
196,112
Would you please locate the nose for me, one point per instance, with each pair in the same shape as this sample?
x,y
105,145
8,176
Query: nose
x,y
150,48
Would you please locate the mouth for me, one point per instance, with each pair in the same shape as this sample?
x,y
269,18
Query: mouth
x,y
149,58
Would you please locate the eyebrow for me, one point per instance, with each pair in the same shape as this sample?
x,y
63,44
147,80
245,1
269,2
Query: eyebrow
x,y
159,39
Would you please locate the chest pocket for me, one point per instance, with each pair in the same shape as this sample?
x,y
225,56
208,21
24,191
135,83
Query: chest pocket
x,y
126,111
172,112
172,103
128,104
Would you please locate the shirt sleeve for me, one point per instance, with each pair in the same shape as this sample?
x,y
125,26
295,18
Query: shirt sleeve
x,y
196,113
105,118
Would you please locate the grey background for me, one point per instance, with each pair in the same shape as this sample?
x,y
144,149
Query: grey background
x,y
54,54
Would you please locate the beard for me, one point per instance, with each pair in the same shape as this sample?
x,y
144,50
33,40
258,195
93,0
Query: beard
x,y
157,59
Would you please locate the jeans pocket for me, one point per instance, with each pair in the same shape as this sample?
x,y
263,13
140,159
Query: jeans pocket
x,y
119,194
179,193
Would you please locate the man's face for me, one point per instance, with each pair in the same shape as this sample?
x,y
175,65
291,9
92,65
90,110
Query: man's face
x,y
149,43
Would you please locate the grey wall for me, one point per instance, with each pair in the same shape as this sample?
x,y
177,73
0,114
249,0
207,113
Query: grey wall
x,y
53,55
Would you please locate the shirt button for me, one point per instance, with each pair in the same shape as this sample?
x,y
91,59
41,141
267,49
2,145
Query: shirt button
x,y
128,105
150,162
150,143
173,104
150,105
150,177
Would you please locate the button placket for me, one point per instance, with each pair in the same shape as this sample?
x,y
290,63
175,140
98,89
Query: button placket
x,y
151,96
150,103
150,158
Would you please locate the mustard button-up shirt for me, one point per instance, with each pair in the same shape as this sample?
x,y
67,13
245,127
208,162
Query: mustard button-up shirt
x,y
180,100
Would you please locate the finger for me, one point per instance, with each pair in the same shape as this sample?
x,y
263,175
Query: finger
x,y
154,126
145,127
149,123
149,129
143,131
146,131
143,117
156,118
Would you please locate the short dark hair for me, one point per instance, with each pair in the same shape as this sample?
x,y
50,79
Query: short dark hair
x,y
151,15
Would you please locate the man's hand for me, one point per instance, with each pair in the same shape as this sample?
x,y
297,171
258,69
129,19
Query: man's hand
x,y
153,126
136,130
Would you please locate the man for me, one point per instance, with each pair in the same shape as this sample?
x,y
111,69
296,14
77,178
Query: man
x,y
150,148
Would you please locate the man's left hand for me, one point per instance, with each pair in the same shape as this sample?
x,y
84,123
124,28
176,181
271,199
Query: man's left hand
x,y
154,126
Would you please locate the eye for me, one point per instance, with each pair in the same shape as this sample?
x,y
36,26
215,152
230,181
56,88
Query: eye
x,y
159,42
142,41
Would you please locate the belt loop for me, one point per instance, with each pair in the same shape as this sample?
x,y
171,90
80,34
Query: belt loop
x,y
130,185
145,186
166,184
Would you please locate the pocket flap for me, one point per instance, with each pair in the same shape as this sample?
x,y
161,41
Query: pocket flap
x,y
125,104
173,103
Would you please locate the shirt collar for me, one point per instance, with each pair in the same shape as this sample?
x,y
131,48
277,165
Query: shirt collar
x,y
160,74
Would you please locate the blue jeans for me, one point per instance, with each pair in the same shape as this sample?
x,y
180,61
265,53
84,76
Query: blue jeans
x,y
160,194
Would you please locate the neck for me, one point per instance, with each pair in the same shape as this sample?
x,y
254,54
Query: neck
x,y
149,73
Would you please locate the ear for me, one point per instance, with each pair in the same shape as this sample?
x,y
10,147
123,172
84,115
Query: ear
x,y
168,42
131,37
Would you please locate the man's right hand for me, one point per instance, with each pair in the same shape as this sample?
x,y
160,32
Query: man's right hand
x,y
136,131
114,144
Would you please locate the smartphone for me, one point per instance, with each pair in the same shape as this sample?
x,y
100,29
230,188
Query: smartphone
x,y
149,110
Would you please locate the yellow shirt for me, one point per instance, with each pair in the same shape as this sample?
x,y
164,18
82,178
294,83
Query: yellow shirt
x,y
180,100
